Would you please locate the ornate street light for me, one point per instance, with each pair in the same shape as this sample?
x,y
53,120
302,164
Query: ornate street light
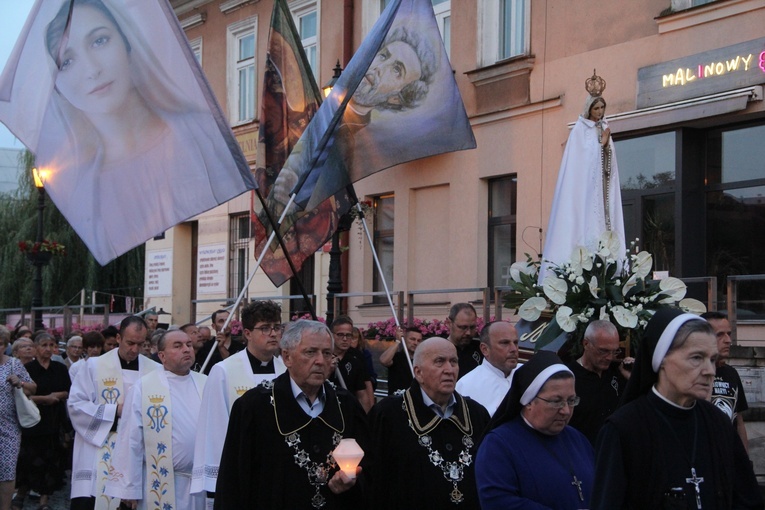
x,y
337,71
41,258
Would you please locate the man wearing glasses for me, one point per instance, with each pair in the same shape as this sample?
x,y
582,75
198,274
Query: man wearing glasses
x,y
462,333
229,380
350,372
600,378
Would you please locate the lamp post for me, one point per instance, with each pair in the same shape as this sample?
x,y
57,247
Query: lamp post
x,y
336,72
40,259
335,276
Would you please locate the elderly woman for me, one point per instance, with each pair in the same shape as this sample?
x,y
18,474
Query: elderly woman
x,y
12,374
531,458
24,350
40,460
73,350
667,447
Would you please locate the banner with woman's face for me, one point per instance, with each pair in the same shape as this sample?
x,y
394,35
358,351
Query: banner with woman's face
x,y
109,97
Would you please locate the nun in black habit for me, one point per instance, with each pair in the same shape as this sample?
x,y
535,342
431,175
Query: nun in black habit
x,y
667,447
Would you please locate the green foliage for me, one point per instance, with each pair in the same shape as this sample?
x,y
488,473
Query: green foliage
x,y
66,275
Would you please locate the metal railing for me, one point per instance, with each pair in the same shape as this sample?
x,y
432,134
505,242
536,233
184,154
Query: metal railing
x,y
711,282
733,300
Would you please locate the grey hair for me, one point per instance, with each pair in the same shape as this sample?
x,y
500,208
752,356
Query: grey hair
x,y
294,331
41,336
599,326
5,335
17,344
73,339
686,330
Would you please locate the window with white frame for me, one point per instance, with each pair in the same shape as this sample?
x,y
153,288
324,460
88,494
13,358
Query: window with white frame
x,y
196,48
242,89
443,12
441,8
504,29
306,16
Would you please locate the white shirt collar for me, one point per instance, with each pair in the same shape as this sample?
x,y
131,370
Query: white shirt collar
x,y
312,410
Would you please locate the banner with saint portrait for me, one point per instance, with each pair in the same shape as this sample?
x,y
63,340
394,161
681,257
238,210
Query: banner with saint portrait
x,y
290,100
125,129
396,101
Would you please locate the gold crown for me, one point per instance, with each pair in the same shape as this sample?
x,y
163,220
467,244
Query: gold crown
x,y
156,399
241,390
595,85
110,382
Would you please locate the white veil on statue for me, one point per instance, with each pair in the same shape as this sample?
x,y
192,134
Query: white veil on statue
x,y
587,199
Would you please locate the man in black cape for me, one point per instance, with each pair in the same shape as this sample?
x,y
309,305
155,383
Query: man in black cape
x,y
424,441
281,434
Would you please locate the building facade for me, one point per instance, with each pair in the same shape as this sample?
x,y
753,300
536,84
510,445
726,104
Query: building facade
x,y
684,92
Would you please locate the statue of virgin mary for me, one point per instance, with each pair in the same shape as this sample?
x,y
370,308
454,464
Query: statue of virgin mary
x,y
587,199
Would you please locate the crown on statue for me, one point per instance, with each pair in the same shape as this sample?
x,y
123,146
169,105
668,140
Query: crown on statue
x,y
595,85
110,382
156,399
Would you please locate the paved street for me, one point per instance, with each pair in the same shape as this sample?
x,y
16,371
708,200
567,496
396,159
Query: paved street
x,y
58,501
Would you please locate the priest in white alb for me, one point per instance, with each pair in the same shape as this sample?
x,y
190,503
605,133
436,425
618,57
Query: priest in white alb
x,y
155,444
229,380
95,405
490,381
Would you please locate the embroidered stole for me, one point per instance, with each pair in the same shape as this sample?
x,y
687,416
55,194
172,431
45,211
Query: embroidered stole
x,y
109,390
241,379
159,491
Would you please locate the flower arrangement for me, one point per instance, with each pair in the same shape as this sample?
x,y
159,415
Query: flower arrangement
x,y
366,208
44,246
592,286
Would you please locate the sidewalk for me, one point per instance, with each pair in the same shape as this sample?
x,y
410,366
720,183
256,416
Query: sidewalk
x,y
58,500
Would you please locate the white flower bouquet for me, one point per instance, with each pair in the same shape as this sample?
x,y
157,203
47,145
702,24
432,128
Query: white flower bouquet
x,y
595,285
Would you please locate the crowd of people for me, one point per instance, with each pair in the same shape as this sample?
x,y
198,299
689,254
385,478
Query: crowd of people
x,y
191,418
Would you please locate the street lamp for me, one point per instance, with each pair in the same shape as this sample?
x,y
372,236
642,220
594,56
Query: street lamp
x,y
336,72
41,259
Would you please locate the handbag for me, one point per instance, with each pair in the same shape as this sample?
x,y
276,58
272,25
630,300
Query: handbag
x,y
26,410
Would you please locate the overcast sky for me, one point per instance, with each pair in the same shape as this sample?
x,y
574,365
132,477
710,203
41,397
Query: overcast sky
x,y
14,14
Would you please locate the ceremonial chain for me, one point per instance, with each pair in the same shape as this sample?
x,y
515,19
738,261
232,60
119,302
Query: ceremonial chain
x,y
318,472
453,471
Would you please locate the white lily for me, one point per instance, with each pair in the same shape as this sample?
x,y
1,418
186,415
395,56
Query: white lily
x,y
624,317
532,308
691,305
603,314
674,287
608,245
521,267
581,260
566,322
555,289
642,264
593,285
